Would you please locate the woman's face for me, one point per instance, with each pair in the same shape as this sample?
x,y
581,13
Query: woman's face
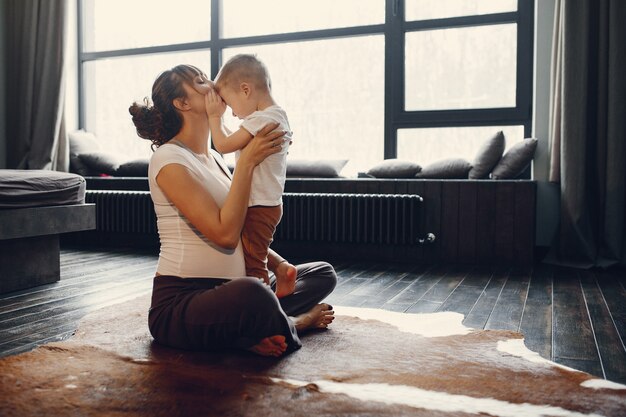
x,y
202,84
195,96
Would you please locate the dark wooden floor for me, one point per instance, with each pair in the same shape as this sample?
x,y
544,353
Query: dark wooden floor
x,y
574,317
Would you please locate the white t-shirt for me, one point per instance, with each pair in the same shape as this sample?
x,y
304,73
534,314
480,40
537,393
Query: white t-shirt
x,y
185,252
268,180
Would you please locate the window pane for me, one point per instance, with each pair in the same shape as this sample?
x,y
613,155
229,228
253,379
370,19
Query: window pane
x,y
121,24
425,146
462,68
333,93
247,18
437,9
112,85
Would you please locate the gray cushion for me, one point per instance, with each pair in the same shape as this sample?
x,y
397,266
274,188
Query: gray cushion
x,y
134,168
487,156
452,168
34,188
315,167
515,160
100,162
394,168
81,142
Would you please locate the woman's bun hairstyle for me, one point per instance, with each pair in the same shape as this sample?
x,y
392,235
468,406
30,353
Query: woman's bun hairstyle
x,y
151,123
160,122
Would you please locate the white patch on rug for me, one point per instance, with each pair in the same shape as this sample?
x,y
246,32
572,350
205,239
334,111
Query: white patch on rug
x,y
602,384
437,401
516,347
428,325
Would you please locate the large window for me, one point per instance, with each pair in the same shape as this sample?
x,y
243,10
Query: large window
x,y
112,84
361,80
461,68
332,91
122,24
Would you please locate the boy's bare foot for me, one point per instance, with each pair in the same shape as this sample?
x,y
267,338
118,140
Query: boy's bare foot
x,y
286,275
319,317
270,346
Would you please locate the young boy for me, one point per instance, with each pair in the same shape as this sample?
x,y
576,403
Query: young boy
x,y
243,84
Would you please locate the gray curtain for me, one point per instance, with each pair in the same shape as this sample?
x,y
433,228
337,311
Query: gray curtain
x,y
588,131
36,137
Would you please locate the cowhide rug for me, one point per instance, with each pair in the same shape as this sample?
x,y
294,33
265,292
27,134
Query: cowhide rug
x,y
371,363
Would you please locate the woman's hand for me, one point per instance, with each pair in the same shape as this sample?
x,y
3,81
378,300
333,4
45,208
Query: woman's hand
x,y
267,141
215,106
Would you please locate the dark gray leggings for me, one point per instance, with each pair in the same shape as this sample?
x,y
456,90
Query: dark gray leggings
x,y
214,313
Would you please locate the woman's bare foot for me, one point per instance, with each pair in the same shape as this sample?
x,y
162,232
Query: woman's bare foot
x,y
319,317
286,275
270,346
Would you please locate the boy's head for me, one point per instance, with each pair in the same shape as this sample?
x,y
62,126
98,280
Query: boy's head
x,y
241,82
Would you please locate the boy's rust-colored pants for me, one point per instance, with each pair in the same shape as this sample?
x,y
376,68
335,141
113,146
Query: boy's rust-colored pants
x,y
257,235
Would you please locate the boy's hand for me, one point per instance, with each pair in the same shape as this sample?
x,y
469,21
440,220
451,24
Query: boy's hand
x,y
215,106
202,84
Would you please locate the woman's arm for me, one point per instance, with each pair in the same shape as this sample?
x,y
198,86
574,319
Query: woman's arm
x,y
220,225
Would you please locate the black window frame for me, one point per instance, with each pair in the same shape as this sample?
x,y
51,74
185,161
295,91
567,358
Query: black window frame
x,y
394,30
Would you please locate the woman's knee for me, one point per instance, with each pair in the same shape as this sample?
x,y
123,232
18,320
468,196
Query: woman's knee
x,y
318,278
261,314
326,276
255,293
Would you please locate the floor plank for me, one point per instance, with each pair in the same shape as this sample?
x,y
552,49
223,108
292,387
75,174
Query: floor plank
x,y
574,341
379,299
420,286
615,297
95,282
465,296
613,360
432,299
400,289
377,284
30,315
536,322
481,311
507,313
446,286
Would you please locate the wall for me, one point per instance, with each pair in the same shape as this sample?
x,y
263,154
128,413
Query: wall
x,y
548,200
3,162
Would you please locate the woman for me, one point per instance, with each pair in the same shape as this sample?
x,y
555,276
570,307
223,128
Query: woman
x,y
201,298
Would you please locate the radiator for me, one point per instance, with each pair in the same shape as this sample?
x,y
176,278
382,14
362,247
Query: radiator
x,y
123,211
350,218
319,217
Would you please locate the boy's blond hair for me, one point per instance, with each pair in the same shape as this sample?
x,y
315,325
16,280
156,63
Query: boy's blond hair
x,y
243,68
